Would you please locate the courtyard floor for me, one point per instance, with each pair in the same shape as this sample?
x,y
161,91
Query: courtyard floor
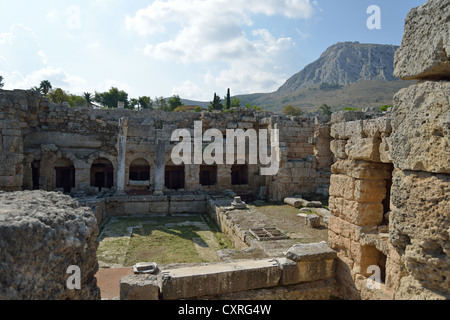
x,y
191,239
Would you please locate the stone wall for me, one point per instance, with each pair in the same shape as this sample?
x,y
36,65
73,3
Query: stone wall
x,y
42,235
389,192
307,273
55,148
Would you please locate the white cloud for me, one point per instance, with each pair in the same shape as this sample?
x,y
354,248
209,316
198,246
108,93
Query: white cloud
x,y
213,31
189,90
20,48
57,77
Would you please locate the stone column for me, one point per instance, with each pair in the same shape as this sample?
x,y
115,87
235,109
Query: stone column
x,y
160,166
121,157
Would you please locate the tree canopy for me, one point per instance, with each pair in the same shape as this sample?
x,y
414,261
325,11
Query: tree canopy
x,y
1,82
111,98
216,104
292,111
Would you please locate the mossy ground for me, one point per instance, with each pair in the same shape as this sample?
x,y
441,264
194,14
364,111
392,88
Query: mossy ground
x,y
125,241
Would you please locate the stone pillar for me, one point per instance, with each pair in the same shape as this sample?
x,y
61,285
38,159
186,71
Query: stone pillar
x,y
121,157
160,166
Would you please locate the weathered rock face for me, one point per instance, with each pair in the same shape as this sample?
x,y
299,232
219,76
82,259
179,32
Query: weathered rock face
x,y
425,50
41,235
421,118
420,220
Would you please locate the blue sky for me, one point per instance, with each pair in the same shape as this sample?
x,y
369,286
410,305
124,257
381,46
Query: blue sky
x,y
192,48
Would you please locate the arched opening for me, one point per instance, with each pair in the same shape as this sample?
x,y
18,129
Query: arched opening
x,y
65,175
174,177
239,174
102,174
208,175
35,174
139,170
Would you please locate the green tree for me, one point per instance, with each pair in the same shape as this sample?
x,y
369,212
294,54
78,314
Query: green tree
x,y
145,102
89,98
228,100
1,82
325,109
36,89
198,109
175,102
235,102
216,104
58,96
161,104
45,86
76,100
111,98
292,111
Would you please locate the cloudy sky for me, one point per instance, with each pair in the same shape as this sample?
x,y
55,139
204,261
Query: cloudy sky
x,y
192,48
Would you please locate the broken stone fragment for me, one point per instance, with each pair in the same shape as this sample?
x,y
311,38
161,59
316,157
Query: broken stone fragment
x,y
145,267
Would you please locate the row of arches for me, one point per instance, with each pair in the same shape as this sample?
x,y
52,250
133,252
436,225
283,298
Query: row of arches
x,y
102,174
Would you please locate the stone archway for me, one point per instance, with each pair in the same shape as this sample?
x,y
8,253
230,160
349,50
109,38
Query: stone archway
x,y
102,173
64,175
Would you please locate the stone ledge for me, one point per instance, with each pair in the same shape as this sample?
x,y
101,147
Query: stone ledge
x,y
311,252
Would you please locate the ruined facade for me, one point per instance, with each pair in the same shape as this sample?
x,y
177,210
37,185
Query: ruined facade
x,y
80,150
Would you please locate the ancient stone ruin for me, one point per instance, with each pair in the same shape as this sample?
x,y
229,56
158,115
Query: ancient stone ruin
x,y
386,177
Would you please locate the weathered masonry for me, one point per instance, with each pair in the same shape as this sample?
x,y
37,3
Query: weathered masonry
x,y
84,151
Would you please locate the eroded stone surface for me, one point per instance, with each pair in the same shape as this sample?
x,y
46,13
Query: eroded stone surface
x,y
41,235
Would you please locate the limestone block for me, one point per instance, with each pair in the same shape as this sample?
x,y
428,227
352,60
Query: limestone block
x,y
42,235
367,149
425,49
337,147
362,214
344,228
369,191
345,116
311,252
347,130
313,221
421,131
139,287
362,169
374,128
306,271
185,283
420,221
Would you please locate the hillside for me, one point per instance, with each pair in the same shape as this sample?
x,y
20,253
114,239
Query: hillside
x,y
347,74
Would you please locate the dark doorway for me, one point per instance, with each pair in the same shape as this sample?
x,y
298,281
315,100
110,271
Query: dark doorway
x,y
208,175
35,174
239,175
139,170
174,177
65,175
102,174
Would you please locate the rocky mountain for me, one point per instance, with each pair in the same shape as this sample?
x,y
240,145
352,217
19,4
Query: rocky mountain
x,y
347,74
345,63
